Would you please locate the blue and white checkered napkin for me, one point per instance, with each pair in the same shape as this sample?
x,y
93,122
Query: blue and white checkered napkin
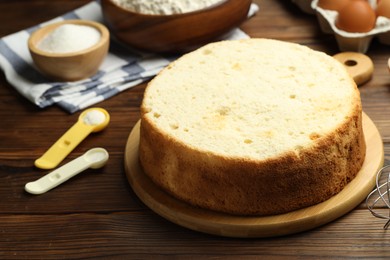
x,y
121,69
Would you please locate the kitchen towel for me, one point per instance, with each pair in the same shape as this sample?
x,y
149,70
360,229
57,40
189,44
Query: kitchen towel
x,y
121,69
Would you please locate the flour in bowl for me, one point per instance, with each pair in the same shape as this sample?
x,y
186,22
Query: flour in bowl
x,y
165,7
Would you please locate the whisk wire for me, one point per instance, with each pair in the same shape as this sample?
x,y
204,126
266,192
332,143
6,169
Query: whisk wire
x,y
383,195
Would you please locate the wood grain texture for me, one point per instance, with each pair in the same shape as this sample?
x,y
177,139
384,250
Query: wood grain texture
x,y
96,214
173,33
227,225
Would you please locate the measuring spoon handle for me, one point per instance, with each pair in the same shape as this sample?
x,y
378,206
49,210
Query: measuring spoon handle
x,y
63,146
58,176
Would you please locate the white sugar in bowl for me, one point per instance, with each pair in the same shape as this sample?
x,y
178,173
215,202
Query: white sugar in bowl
x,y
69,50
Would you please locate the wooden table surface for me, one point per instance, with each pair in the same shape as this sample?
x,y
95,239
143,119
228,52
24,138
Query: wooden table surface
x,y
96,214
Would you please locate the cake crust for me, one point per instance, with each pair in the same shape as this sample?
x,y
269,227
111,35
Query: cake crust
x,y
245,185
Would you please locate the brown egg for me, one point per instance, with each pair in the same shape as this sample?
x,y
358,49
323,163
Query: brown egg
x,y
356,16
334,5
383,8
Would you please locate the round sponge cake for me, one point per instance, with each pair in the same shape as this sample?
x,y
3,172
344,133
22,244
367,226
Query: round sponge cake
x,y
252,127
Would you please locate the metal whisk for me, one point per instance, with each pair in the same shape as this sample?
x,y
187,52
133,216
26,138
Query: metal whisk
x,y
382,191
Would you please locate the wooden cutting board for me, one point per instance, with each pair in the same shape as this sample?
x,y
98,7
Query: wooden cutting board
x,y
222,224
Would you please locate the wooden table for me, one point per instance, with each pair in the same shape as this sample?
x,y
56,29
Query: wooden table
x,y
97,214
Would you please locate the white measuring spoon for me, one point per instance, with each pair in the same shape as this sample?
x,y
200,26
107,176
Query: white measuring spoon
x,y
94,158
86,124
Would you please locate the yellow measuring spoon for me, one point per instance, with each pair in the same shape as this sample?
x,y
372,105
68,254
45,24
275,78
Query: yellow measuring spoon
x,y
91,120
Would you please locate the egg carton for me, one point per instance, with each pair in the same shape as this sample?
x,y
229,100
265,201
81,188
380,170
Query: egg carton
x,y
347,41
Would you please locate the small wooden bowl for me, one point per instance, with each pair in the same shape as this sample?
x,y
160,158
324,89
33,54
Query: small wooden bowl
x,y
175,33
70,66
